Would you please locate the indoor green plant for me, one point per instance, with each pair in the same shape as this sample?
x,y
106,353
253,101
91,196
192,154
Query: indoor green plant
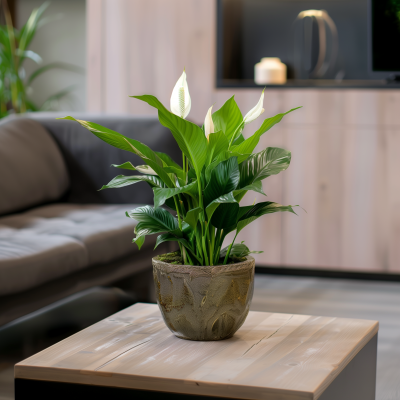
x,y
218,168
14,51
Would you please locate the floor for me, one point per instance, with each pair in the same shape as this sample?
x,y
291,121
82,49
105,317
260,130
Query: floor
x,y
318,296
343,298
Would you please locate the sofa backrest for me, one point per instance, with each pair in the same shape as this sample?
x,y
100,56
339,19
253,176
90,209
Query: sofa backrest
x,y
32,169
89,159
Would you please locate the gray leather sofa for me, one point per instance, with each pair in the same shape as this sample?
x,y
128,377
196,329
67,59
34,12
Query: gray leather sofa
x,y
58,234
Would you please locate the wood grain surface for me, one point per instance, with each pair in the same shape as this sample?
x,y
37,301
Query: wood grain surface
x,y
293,356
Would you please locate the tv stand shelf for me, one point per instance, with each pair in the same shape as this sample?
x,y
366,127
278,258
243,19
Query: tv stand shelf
x,y
314,84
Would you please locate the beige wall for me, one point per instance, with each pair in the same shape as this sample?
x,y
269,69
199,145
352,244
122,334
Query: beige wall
x,y
344,143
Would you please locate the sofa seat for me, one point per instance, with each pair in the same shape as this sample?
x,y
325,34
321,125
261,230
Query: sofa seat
x,y
52,241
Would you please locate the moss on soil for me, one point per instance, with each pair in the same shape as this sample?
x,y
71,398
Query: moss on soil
x,y
176,258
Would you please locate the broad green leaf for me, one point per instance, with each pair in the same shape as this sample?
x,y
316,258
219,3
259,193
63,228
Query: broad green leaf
x,y
250,144
122,142
224,178
217,142
259,166
228,118
238,140
161,195
249,214
192,216
169,237
226,216
189,136
122,181
151,220
255,187
168,161
177,171
125,165
226,198
209,170
139,240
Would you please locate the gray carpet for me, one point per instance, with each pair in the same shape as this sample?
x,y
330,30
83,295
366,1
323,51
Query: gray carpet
x,y
342,298
317,296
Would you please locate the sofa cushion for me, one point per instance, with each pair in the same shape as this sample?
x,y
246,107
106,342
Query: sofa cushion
x,y
103,232
32,169
29,259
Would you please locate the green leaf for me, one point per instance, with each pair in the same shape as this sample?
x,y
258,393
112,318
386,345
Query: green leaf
x,y
189,136
249,214
228,118
122,181
177,171
224,178
192,216
139,240
169,237
124,143
250,144
228,154
217,142
210,169
29,29
255,187
226,198
161,195
167,160
151,220
238,250
238,140
226,216
259,166
126,165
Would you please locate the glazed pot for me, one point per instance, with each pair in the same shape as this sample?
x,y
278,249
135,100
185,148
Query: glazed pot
x,y
204,303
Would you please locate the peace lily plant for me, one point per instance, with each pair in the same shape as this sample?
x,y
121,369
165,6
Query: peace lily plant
x,y
218,168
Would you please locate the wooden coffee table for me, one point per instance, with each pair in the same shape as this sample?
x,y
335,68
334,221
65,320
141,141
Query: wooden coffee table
x,y
133,355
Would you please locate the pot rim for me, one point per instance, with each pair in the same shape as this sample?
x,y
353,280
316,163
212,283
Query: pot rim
x,y
207,267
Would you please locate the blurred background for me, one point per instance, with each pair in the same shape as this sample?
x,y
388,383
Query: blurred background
x,y
343,140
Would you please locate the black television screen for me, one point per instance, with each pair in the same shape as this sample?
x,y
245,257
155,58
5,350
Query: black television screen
x,y
385,24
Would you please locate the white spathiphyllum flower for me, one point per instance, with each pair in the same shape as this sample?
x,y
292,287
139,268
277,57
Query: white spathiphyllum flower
x,y
208,123
180,98
256,111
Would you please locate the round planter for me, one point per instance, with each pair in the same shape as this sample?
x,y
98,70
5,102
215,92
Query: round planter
x,y
204,303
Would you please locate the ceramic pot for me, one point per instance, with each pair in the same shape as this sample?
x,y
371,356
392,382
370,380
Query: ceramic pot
x,y
204,303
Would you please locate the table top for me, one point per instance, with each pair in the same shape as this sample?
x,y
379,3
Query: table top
x,y
293,356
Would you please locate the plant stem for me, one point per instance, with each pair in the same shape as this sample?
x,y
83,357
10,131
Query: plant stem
x,y
234,134
184,167
216,242
229,249
183,253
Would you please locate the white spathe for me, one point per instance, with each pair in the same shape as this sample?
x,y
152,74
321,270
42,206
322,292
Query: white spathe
x,y
180,98
256,111
208,123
